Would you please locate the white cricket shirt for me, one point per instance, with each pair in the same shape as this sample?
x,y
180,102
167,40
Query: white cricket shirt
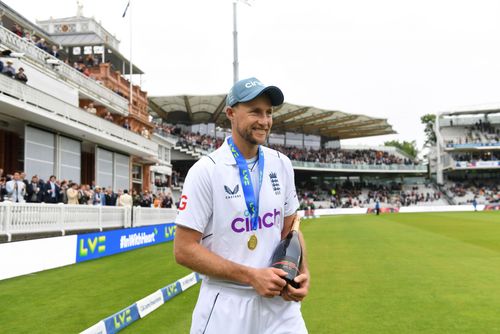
x,y
213,203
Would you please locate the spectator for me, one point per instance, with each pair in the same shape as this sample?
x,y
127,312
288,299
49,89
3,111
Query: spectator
x,y
125,199
86,71
17,30
83,195
146,200
136,198
145,132
98,197
89,61
108,117
55,51
167,201
51,191
126,125
3,189
110,197
9,70
63,196
91,109
21,76
23,178
16,189
42,45
72,194
34,190
28,38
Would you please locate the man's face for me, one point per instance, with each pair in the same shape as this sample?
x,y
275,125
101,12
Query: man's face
x,y
16,176
252,120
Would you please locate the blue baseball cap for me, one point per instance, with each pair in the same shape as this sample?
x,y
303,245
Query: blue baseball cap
x,y
248,89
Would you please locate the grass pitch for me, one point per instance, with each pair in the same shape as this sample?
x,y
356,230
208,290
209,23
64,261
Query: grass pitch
x,y
394,273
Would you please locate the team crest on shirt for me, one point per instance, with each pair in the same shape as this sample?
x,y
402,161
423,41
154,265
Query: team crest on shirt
x,y
232,193
275,183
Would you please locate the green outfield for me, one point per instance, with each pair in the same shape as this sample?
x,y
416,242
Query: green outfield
x,y
394,273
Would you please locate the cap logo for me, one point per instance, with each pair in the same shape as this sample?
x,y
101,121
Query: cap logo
x,y
251,84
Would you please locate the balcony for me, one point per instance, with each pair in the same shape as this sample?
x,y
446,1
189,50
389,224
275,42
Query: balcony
x,y
114,81
31,105
87,86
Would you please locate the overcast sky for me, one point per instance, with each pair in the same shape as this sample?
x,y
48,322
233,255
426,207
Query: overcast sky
x,y
392,59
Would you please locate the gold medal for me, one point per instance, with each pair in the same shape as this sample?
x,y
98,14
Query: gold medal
x,y
252,242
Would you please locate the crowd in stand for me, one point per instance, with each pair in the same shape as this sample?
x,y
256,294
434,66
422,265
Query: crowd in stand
x,y
83,64
488,192
477,156
189,140
17,188
354,157
9,70
482,132
352,195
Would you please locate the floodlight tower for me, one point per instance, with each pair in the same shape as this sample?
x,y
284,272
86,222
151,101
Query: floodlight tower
x,y
235,38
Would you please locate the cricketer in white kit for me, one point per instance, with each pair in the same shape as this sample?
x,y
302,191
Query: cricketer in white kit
x,y
217,236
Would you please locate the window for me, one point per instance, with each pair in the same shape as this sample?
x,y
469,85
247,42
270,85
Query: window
x,y
137,173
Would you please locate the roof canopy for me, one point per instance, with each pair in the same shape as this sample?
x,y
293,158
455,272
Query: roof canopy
x,y
188,109
473,110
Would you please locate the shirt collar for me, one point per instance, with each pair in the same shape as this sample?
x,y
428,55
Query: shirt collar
x,y
227,156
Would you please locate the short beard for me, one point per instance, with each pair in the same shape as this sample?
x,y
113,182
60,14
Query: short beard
x,y
247,135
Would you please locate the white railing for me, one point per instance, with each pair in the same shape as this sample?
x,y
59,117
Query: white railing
x,y
73,115
152,216
64,72
25,218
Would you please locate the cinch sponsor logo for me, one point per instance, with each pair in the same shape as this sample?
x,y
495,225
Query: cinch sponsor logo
x,y
122,318
137,239
183,203
251,84
91,244
267,220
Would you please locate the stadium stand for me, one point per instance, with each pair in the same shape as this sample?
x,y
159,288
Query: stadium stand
x,y
466,158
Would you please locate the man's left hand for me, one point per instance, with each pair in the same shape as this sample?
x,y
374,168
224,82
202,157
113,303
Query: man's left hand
x,y
290,293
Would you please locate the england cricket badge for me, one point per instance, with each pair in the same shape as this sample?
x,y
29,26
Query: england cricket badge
x,y
252,242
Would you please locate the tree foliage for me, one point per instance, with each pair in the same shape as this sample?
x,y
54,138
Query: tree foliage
x,y
409,148
430,135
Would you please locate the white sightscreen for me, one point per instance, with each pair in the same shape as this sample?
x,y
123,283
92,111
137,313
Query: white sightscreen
x,y
112,169
104,168
70,159
39,153
122,172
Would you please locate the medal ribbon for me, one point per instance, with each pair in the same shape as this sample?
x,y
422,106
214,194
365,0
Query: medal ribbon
x,y
246,181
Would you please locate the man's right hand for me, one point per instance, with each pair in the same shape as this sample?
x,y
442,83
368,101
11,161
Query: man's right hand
x,y
268,282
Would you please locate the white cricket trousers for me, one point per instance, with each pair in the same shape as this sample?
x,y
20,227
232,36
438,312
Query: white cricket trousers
x,y
227,310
